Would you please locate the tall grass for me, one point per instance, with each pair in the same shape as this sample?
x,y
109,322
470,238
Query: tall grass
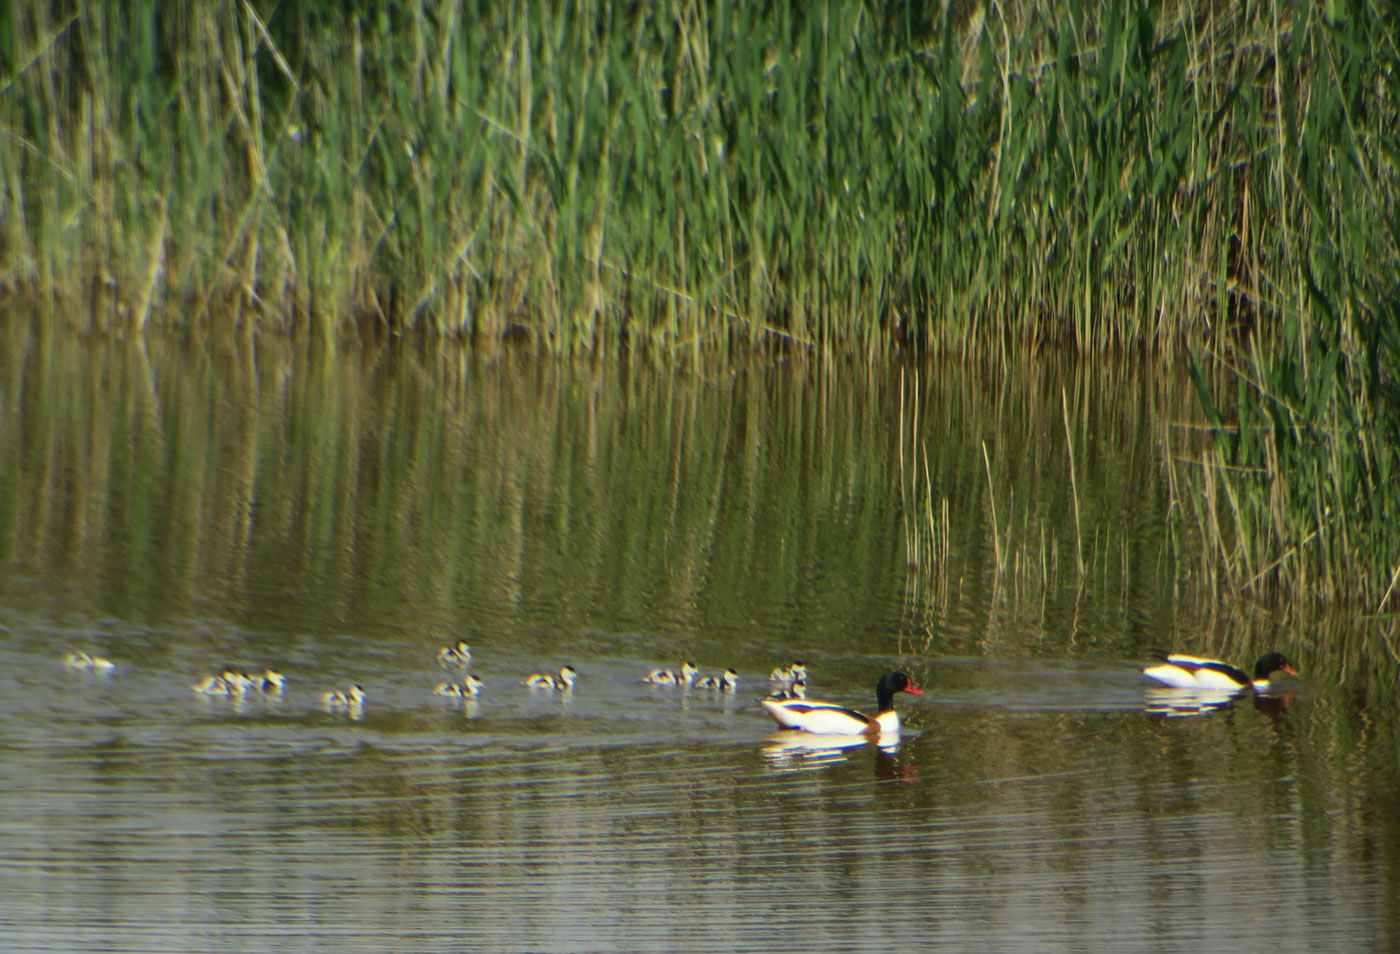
x,y
1299,494
598,175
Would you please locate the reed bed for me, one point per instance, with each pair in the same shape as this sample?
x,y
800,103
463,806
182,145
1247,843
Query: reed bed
x,y
598,175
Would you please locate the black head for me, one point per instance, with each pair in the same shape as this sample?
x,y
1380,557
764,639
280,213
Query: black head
x,y
892,682
1270,663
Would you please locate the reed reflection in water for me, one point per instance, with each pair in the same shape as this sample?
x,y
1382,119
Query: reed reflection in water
x,y
340,516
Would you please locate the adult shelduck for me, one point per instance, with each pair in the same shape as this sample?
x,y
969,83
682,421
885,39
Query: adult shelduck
x,y
828,718
667,677
458,656
563,682
1193,672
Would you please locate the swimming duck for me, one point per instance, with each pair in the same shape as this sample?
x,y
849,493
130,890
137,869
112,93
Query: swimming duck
x,y
789,674
352,697
1194,672
456,656
560,683
666,677
727,682
828,718
798,690
88,661
466,689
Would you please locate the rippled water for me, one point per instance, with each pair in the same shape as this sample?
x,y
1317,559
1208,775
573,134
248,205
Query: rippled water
x,y
1028,808
334,518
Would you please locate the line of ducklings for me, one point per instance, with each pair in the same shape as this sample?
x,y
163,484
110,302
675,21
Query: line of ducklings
x,y
232,683
788,682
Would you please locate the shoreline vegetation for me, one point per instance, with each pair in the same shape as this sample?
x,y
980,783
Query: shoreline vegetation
x,y
1211,183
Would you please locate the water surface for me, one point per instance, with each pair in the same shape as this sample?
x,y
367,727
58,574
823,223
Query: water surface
x,y
340,516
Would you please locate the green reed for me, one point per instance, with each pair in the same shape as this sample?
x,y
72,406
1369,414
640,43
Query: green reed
x,y
1296,499
605,174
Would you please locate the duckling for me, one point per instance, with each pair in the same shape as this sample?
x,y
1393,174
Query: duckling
x,y
270,682
457,656
666,677
728,682
238,682
468,688
798,690
88,661
352,697
560,683
790,674
214,686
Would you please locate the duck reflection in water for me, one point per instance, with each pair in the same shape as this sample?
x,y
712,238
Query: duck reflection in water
x,y
1184,703
1274,706
792,749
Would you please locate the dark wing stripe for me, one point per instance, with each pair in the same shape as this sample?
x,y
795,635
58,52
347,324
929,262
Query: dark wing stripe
x,y
1225,669
825,707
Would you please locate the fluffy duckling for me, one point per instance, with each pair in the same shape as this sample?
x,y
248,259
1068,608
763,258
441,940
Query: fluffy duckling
x,y
667,677
798,690
88,661
728,682
563,682
789,674
468,688
457,656
350,698
215,686
239,682
270,682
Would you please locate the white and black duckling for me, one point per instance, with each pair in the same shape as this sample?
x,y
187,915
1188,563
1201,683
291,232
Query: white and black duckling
x,y
230,682
798,690
828,718
215,686
794,673
241,682
89,662
563,682
269,683
226,683
726,682
468,688
1194,672
668,677
352,697
457,656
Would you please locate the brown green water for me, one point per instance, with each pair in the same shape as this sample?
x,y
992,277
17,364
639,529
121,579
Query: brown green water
x,y
339,516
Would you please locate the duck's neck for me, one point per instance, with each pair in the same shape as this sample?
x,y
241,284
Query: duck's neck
x,y
884,696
